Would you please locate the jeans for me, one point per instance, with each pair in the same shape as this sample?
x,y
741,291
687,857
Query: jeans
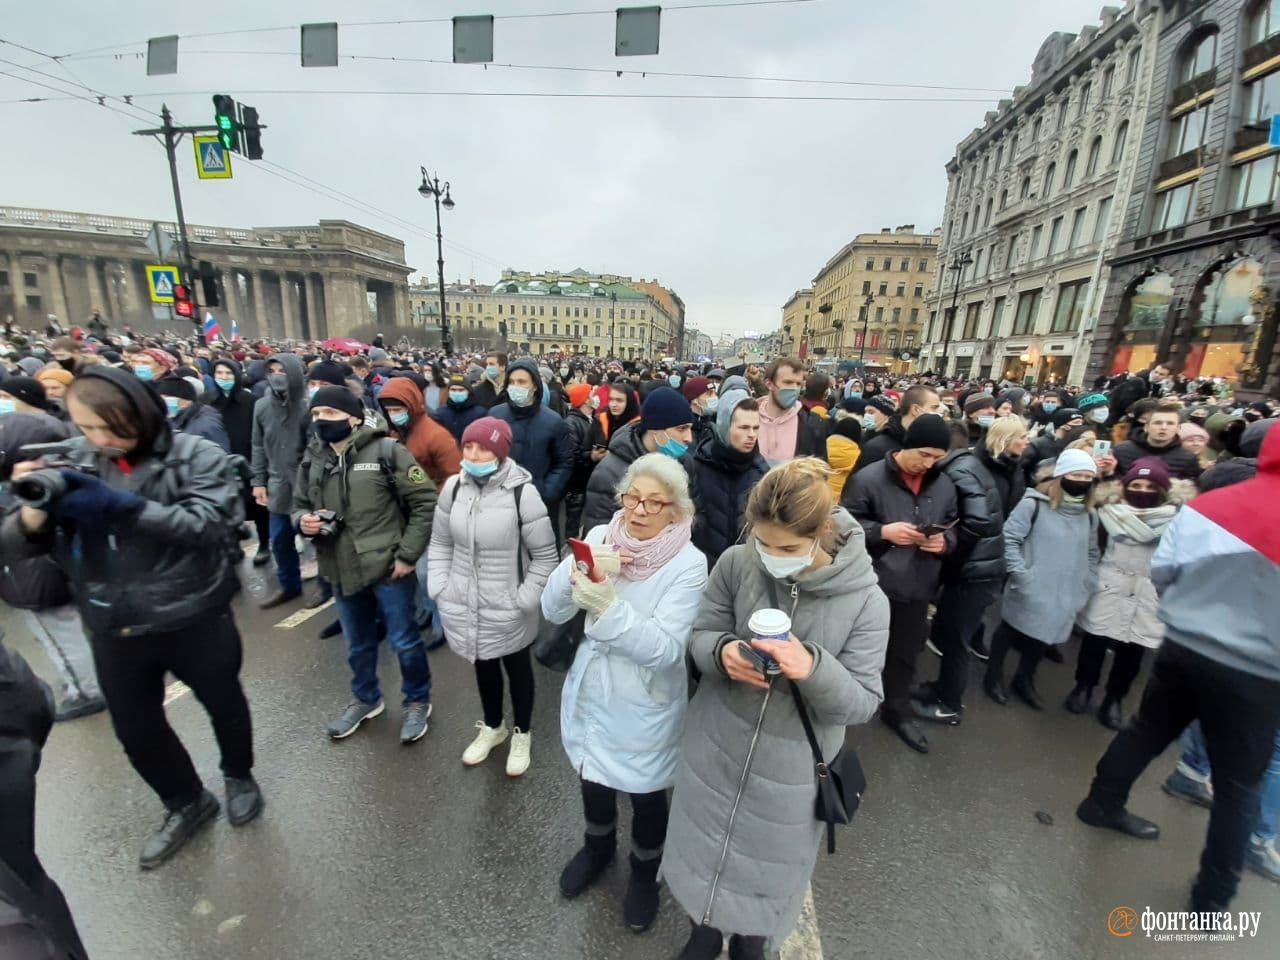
x,y
648,817
285,552
1238,714
1196,756
206,656
358,613
956,621
60,633
1124,667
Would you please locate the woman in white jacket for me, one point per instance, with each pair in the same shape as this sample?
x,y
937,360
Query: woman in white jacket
x,y
492,549
623,703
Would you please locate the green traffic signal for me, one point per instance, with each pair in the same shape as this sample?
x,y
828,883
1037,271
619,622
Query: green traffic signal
x,y
224,117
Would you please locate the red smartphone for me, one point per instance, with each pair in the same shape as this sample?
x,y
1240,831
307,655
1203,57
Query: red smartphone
x,y
584,559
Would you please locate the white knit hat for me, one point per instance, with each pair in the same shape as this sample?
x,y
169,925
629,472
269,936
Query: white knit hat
x,y
1069,461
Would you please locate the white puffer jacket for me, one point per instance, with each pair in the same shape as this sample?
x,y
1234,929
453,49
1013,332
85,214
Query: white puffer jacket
x,y
472,565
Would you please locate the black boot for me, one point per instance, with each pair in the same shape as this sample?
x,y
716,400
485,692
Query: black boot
x,y
704,943
332,630
746,948
179,827
1024,688
640,905
588,863
244,799
994,685
1109,714
1078,700
1053,653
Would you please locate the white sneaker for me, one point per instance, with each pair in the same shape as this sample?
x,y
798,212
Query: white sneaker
x,y
483,744
518,753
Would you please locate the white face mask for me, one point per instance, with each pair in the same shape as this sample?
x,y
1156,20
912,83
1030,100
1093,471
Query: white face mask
x,y
783,568
1099,415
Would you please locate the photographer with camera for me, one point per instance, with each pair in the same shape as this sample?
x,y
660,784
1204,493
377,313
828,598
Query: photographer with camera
x,y
142,521
368,506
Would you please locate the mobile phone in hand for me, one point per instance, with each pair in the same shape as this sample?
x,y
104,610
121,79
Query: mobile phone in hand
x,y
1101,448
933,529
584,559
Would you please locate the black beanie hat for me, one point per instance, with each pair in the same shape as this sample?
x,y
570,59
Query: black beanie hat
x,y
328,372
27,389
928,430
340,398
176,387
1064,415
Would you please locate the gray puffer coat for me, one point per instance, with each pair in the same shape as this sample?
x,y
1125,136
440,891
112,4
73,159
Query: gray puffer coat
x,y
472,567
743,840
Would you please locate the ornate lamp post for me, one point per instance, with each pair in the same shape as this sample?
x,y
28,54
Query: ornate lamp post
x,y
432,188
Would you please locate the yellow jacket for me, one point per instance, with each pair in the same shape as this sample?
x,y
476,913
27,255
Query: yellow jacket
x,y
842,455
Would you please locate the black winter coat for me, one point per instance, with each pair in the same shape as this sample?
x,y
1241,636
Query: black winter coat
x,y
887,440
236,408
456,419
625,446
1047,446
723,479
1006,473
877,496
1182,463
202,420
540,440
579,425
979,552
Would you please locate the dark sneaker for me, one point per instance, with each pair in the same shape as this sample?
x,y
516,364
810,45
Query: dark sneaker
x,y
279,599
79,705
746,948
244,799
935,711
1024,689
263,556
414,727
351,718
704,943
1053,653
332,630
1263,858
1121,821
1109,714
1179,785
179,827
1078,700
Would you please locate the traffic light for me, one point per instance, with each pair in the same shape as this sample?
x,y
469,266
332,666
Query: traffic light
x,y
252,132
224,116
208,283
182,304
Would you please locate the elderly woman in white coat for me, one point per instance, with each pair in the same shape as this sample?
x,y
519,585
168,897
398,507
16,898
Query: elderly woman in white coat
x,y
623,704
492,549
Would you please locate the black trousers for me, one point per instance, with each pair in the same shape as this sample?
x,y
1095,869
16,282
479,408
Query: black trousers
x,y
259,516
1124,668
907,624
1238,714
1030,650
206,656
648,817
519,669
574,503
956,620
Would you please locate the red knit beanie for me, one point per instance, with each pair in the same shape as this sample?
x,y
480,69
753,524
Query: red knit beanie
x,y
492,434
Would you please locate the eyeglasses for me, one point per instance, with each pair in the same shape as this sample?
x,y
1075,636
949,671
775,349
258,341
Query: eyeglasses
x,y
630,501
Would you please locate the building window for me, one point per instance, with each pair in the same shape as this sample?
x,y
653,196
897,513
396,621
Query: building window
x,y
888,263
1173,207
1004,199
1070,308
875,340
499,309
1055,235
1263,99
1077,228
879,314
901,290
1117,146
1108,79
897,314
1095,151
1033,248
1025,316
1103,219
1013,148
4,278
1082,105
641,314
1131,66
1198,57
971,320
30,280
871,263
866,286
542,329
884,289
597,329
891,341
542,310
1262,23
986,215
1025,190
1189,130
1069,175
1035,131
33,301
555,329
1253,184
924,265
909,341
997,316
914,316
1062,115
918,290
1050,172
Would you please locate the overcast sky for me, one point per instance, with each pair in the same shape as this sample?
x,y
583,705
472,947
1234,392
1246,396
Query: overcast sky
x,y
734,204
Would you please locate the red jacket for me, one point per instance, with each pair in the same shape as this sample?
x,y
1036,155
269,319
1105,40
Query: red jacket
x,y
431,444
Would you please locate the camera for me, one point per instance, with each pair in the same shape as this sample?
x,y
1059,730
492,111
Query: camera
x,y
42,487
330,523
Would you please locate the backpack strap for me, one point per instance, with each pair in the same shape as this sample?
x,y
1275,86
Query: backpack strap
x,y
386,446
517,492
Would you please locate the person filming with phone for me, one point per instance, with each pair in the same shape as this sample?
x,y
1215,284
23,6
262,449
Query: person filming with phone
x,y
907,509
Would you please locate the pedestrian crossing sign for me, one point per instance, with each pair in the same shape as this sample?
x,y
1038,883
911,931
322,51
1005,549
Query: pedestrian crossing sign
x,y
161,279
212,160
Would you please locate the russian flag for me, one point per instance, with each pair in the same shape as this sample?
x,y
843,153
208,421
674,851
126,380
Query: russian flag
x,y
211,328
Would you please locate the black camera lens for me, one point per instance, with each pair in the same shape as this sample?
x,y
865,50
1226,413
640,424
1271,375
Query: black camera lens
x,y
40,487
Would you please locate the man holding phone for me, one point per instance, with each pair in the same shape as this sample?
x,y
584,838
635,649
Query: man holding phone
x,y
907,509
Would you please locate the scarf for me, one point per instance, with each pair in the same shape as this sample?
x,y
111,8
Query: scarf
x,y
649,556
1137,525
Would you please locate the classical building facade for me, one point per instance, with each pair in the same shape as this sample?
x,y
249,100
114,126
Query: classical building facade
x,y
1194,281
867,301
795,320
576,312
696,344
1035,204
288,282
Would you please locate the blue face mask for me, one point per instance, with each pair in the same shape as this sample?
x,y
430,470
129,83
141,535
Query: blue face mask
x,y
492,372
479,469
520,396
400,419
144,372
172,404
868,422
788,396
1048,407
311,392
674,381
673,448
7,406
460,397
225,385
986,420
856,394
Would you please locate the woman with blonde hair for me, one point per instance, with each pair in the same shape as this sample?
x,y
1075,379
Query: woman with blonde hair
x,y
623,702
746,780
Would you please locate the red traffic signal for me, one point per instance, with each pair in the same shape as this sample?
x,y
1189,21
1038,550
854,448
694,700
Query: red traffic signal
x,y
182,304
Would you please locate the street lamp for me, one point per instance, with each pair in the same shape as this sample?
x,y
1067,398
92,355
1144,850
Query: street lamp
x,y
431,187
866,322
958,263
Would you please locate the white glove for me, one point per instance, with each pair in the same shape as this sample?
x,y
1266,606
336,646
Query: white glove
x,y
594,597
606,559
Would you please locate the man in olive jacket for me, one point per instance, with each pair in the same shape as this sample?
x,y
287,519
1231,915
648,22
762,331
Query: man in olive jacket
x,y
382,504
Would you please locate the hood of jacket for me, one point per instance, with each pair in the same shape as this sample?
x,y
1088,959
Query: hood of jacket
x,y
404,391
734,383
19,429
531,368
296,372
153,415
709,449
236,370
254,371
850,569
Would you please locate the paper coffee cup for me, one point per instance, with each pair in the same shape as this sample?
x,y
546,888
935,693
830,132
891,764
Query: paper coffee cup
x,y
769,624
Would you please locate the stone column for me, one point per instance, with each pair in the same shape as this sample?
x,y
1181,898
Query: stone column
x,y
56,302
76,275
288,307
334,306
232,303
261,308
314,310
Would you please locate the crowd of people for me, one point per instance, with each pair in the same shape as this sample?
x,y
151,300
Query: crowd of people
x,y
438,494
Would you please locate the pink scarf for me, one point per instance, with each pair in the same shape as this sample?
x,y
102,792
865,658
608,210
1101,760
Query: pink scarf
x,y
650,555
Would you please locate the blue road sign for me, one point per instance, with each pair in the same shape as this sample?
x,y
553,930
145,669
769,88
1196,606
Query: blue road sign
x,y
212,161
161,279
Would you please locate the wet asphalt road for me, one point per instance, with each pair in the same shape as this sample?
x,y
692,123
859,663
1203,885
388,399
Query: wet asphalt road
x,y
368,849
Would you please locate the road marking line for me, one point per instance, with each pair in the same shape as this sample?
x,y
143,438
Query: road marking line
x,y
302,616
175,690
804,943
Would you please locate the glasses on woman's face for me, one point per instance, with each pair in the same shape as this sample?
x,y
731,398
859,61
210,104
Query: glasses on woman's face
x,y
648,506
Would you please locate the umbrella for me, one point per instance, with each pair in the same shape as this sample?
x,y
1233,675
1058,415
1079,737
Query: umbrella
x,y
346,345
